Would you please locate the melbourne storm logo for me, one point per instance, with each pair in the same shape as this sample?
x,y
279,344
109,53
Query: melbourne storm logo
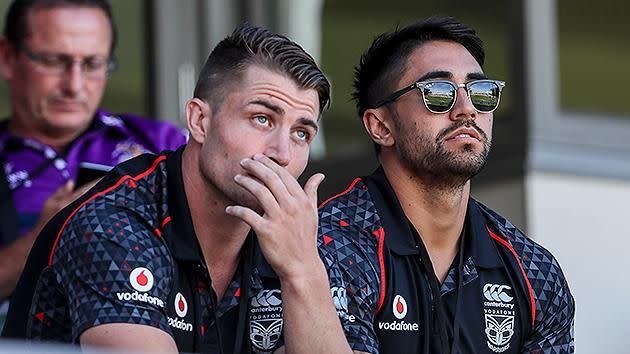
x,y
265,325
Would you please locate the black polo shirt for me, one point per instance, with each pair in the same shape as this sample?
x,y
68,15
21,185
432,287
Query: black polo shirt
x,y
126,252
513,297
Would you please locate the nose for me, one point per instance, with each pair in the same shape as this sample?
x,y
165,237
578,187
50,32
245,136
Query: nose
x,y
463,108
73,80
279,149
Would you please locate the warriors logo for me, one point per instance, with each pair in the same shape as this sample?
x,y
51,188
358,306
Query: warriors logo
x,y
265,325
499,330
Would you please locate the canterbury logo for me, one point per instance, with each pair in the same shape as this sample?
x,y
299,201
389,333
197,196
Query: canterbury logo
x,y
495,292
267,298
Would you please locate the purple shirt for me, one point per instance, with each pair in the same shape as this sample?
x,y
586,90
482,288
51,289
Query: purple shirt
x,y
111,139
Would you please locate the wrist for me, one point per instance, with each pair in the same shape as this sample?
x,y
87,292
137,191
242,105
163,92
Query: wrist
x,y
304,277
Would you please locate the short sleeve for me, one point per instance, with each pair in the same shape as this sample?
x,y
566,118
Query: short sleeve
x,y
354,287
113,269
553,331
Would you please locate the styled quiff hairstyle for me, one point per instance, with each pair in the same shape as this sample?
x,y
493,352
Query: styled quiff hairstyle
x,y
251,45
16,26
383,64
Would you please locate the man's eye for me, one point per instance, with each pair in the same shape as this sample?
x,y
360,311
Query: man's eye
x,y
94,65
54,61
302,134
262,120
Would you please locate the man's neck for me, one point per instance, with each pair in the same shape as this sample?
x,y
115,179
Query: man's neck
x,y
221,237
56,141
436,211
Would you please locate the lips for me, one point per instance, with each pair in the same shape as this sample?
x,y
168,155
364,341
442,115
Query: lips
x,y
463,133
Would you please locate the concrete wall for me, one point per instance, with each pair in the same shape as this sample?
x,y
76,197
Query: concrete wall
x,y
584,222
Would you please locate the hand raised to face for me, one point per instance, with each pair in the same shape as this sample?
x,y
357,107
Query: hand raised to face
x,y
287,226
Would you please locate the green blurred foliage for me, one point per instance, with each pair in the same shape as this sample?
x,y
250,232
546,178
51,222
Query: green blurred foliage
x,y
594,55
127,87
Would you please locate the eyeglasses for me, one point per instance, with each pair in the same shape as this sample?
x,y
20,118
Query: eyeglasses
x,y
57,64
439,96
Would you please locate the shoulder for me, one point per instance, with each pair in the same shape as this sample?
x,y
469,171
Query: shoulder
x,y
162,134
127,206
350,217
540,270
350,240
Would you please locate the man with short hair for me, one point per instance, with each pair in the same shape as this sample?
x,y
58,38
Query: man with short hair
x,y
211,248
416,264
56,56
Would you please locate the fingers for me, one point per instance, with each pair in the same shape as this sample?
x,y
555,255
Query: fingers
x,y
84,188
268,178
247,215
312,185
63,190
264,196
288,181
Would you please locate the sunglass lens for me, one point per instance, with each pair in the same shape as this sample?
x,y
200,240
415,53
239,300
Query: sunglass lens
x,y
439,96
484,95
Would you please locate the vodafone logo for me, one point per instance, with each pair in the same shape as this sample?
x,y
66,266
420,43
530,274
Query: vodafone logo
x,y
399,307
181,306
141,279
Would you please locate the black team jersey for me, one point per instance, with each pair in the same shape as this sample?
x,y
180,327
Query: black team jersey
x,y
504,293
126,252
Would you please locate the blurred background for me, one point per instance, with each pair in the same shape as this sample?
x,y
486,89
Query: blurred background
x,y
560,165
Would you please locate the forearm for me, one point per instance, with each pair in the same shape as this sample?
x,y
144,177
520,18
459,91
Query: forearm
x,y
12,261
311,324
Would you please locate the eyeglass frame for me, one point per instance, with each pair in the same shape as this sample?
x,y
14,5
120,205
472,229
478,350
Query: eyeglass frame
x,y
111,64
421,84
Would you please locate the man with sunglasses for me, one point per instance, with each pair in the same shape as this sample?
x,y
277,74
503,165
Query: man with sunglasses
x,y
56,56
416,264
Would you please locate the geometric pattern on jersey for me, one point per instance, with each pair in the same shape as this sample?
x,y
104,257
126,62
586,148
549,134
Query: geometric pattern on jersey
x,y
555,306
99,248
450,282
49,320
347,243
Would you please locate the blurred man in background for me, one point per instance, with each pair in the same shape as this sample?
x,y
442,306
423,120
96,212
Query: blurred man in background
x,y
416,264
56,56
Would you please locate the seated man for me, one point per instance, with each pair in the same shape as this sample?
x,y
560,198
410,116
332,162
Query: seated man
x,y
211,248
56,57
416,264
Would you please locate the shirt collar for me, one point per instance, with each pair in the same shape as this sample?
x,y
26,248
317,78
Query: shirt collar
x,y
182,241
402,240
103,120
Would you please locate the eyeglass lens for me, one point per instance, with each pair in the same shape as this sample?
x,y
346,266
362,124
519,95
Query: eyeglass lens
x,y
440,96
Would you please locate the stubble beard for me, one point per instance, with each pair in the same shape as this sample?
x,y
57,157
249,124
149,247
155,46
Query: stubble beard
x,y
430,160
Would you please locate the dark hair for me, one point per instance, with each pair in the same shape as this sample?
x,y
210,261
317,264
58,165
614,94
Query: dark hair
x,y
384,62
16,27
251,45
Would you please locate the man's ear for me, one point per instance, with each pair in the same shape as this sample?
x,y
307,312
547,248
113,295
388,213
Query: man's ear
x,y
7,59
198,115
378,126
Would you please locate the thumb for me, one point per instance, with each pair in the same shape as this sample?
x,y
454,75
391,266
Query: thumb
x,y
312,185
64,190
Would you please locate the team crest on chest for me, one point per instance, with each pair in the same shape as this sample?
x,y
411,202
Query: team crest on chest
x,y
498,308
265,320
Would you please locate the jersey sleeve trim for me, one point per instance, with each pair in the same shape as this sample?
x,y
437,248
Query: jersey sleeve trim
x,y
529,285
116,185
380,235
342,193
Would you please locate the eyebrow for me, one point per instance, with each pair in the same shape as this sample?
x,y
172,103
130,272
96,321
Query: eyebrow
x,y
308,122
278,110
441,74
269,105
